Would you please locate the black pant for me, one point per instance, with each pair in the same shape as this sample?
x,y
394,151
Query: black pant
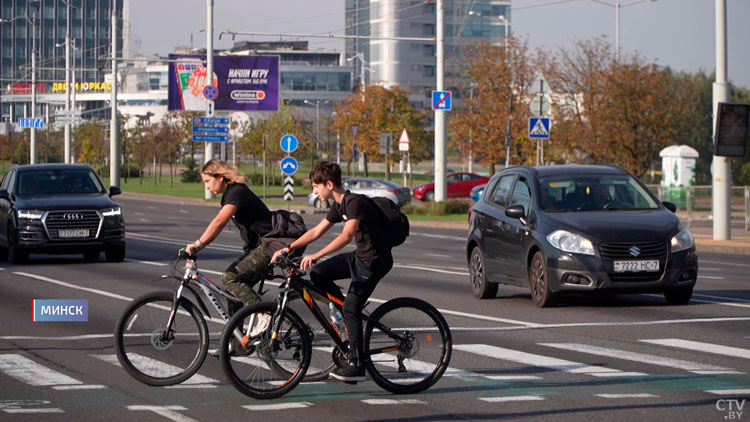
x,y
365,275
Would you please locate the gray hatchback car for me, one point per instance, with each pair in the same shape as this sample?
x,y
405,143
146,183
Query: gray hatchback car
x,y
577,229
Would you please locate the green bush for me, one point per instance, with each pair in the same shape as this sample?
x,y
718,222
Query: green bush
x,y
451,206
745,174
191,174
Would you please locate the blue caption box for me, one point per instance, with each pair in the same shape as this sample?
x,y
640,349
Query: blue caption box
x,y
60,310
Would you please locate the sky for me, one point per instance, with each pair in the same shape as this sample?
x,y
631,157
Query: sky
x,y
675,33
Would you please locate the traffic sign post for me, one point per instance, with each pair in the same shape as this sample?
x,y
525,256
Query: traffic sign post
x,y
288,188
210,121
204,133
211,129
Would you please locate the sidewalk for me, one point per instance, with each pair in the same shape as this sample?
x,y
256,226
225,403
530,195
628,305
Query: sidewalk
x,y
701,227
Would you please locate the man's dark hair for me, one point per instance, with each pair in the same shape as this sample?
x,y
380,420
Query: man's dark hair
x,y
325,171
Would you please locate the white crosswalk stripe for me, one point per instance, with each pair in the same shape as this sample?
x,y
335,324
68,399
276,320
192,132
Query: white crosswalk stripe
x,y
196,381
34,374
694,367
701,347
542,361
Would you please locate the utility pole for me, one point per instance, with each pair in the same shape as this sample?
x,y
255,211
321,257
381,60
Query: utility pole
x,y
721,174
68,107
32,154
209,76
440,144
114,138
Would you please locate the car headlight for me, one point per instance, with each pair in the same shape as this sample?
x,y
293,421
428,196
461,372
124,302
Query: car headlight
x,y
570,242
111,212
681,241
31,214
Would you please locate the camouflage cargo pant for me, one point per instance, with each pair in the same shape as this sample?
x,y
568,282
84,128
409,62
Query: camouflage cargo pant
x,y
244,273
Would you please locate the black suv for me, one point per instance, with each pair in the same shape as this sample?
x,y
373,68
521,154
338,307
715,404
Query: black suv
x,y
59,209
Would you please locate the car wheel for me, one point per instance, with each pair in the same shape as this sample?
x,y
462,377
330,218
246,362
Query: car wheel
x,y
678,295
539,282
16,254
482,288
115,253
429,196
91,255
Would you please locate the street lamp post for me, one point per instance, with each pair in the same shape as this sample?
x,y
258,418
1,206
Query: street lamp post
x,y
617,7
317,104
361,57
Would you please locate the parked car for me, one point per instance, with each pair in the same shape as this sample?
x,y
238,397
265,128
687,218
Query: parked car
x,y
369,186
59,209
577,229
476,192
459,186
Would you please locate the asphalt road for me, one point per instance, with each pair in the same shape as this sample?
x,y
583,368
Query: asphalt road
x,y
591,358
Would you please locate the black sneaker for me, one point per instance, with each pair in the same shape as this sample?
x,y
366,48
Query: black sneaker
x,y
349,373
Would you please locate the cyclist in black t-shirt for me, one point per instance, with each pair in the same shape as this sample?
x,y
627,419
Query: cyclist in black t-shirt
x,y
366,266
252,218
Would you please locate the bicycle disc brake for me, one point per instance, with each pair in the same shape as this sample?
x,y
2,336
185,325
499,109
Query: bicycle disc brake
x,y
160,340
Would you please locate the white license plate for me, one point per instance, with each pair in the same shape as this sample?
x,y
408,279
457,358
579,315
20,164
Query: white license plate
x,y
637,266
74,233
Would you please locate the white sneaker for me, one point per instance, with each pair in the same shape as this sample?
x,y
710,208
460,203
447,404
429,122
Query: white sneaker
x,y
262,322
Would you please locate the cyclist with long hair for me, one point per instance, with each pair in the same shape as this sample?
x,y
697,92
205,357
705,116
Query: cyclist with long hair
x,y
252,218
366,266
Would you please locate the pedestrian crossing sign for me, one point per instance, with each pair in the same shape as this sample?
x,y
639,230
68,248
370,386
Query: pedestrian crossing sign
x,y
539,127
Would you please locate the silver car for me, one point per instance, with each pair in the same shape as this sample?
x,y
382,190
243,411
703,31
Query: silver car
x,y
369,186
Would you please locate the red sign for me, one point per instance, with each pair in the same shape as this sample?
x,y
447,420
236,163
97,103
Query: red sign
x,y
25,88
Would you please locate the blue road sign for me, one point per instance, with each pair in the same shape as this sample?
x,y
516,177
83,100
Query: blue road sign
x,y
211,129
289,143
210,120
210,138
289,165
354,151
441,100
29,123
539,127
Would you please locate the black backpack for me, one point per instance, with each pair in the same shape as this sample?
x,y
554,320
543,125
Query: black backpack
x,y
396,222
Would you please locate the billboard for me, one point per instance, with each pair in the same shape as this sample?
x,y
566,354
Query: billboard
x,y
243,83
732,132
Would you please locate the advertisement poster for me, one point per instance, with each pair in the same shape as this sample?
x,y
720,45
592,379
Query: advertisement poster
x,y
242,83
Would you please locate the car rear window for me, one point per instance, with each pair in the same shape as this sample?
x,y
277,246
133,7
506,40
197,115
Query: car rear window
x,y
56,182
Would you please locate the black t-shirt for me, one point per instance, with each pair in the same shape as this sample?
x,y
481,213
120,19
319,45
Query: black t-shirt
x,y
253,218
370,238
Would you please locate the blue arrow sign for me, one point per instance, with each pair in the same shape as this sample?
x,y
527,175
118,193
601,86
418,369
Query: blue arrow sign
x,y
210,138
29,123
441,100
211,129
539,127
289,143
210,121
289,165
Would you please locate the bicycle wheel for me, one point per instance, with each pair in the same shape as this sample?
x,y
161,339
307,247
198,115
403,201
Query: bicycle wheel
x,y
265,368
323,347
408,345
151,355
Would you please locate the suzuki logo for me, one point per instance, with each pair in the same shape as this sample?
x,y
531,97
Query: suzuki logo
x,y
635,251
73,216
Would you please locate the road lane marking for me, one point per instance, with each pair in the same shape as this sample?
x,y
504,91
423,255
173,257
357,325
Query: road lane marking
x,y
392,401
438,255
413,365
725,263
729,392
43,410
32,373
279,406
79,387
510,398
168,412
694,367
73,286
530,359
195,380
701,347
626,396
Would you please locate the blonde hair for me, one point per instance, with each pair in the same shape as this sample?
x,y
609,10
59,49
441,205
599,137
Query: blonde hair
x,y
218,168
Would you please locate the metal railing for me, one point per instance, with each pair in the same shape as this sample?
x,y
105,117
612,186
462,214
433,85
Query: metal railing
x,y
696,201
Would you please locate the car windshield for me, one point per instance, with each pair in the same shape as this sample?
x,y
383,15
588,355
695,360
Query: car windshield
x,y
593,192
55,182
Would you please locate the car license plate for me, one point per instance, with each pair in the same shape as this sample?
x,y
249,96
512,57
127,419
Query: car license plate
x,y
73,233
637,266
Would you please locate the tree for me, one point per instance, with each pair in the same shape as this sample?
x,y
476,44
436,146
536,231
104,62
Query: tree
x,y
381,110
268,132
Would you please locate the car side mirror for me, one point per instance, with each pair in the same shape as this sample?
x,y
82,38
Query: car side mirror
x,y
515,211
114,190
670,206
4,194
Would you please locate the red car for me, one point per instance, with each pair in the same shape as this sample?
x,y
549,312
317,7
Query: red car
x,y
459,186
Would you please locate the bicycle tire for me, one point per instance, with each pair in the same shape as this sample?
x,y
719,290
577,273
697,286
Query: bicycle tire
x,y
266,368
417,364
157,362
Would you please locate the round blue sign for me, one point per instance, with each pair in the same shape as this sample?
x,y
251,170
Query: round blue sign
x,y
289,143
289,165
210,92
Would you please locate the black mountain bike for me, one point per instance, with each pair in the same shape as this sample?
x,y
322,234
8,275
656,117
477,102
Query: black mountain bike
x,y
162,338
407,342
